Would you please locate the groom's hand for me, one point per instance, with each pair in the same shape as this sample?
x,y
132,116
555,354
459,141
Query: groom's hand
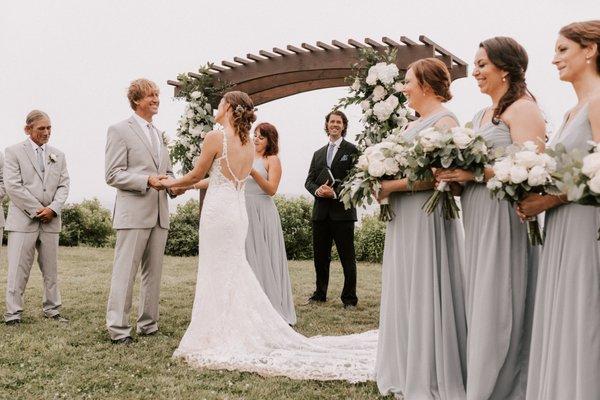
x,y
325,191
155,183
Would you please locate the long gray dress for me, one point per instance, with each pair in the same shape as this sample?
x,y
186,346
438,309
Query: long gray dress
x,y
265,248
422,328
500,273
565,347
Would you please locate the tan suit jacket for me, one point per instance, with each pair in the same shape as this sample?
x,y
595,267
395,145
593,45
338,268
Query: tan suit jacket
x,y
2,190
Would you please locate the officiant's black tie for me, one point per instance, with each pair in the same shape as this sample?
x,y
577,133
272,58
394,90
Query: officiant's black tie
x,y
330,150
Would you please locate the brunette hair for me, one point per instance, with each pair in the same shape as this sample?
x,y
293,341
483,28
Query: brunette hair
x,y
344,120
243,114
509,56
584,33
34,115
433,73
269,132
138,89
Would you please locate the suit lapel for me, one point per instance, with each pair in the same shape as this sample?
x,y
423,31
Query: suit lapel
x,y
339,152
138,131
29,151
49,163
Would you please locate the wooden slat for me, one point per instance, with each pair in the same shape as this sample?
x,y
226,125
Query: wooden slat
x,y
194,75
242,61
408,41
254,57
295,49
356,44
229,64
217,68
174,83
390,42
441,50
325,46
340,45
373,43
267,54
309,47
281,52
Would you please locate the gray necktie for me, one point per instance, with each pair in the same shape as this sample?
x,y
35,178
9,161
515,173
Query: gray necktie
x,y
153,139
40,159
330,150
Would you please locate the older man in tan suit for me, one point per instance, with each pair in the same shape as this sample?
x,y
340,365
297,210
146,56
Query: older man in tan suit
x,y
2,194
136,159
37,183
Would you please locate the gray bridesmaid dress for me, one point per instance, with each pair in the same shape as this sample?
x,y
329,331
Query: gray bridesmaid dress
x,y
422,328
265,248
500,272
565,346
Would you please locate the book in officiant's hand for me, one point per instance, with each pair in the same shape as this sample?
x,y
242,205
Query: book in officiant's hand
x,y
325,177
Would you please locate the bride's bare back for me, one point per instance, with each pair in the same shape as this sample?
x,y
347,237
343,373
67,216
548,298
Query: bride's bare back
x,y
235,158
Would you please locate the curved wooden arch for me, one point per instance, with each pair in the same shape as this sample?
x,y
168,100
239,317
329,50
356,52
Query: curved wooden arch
x,y
274,75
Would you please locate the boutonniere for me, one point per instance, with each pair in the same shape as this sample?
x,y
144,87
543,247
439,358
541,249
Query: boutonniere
x,y
165,138
52,157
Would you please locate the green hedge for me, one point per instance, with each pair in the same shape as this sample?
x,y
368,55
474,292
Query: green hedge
x,y
86,223
183,232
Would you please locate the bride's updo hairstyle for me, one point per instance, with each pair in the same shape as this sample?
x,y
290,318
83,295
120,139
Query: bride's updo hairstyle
x,y
243,115
509,56
584,34
433,73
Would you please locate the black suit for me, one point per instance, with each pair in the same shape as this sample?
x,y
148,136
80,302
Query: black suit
x,y
332,222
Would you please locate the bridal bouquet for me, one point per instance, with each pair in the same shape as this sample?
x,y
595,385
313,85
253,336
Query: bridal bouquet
x,y
384,160
578,175
522,170
458,147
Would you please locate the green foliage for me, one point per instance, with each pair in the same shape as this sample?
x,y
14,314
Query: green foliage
x,y
183,232
86,223
295,214
369,239
4,209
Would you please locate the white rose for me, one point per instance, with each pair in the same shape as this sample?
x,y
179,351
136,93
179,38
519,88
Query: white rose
x,y
594,184
518,174
537,176
502,169
528,158
196,131
382,110
391,167
549,162
494,184
379,93
190,113
461,138
398,87
365,105
402,113
376,169
372,76
591,165
429,139
392,102
356,85
363,162
529,145
195,94
388,73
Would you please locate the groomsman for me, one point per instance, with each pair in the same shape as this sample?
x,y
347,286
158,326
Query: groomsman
x,y
136,158
2,194
331,222
37,183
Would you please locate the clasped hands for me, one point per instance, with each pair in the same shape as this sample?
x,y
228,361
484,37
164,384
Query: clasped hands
x,y
45,214
325,191
161,182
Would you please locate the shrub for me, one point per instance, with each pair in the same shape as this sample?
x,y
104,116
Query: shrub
x,y
86,223
183,232
295,214
369,239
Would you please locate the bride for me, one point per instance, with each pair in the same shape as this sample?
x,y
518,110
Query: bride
x,y
233,324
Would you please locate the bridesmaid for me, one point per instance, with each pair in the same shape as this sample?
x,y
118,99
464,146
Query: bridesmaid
x,y
265,248
422,328
565,348
500,265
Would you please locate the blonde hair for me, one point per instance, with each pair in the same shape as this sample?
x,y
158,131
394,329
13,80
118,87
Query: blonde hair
x,y
35,115
138,89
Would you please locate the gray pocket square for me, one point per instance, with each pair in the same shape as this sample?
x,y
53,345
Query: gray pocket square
x,y
344,157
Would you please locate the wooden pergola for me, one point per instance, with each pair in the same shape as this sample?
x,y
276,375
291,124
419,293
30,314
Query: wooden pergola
x,y
279,73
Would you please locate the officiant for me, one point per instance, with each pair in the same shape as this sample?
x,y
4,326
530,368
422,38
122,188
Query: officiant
x,y
331,222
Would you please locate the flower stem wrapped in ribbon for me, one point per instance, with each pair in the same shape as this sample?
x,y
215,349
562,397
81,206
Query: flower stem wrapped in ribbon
x,y
458,147
521,171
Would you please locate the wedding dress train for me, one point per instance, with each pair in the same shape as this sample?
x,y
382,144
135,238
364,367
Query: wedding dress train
x,y
233,324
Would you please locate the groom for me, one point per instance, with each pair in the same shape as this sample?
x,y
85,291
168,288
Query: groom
x,y
331,222
136,158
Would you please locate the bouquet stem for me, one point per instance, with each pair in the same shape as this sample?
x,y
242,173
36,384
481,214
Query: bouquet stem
x,y
449,207
385,211
536,238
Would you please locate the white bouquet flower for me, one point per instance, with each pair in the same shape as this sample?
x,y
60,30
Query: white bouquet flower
x,y
522,170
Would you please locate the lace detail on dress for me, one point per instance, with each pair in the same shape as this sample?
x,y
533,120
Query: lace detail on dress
x,y
233,324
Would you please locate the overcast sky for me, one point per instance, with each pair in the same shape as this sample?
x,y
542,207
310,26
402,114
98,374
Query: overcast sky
x,y
74,59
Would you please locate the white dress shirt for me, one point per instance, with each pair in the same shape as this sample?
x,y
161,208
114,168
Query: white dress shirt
x,y
336,145
35,148
144,125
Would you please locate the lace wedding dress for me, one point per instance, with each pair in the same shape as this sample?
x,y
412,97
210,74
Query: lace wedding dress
x,y
233,324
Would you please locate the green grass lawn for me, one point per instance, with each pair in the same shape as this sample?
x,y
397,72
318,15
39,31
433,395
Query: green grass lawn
x,y
44,359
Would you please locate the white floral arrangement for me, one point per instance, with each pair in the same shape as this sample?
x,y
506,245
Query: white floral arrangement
x,y
458,147
52,157
384,160
578,174
521,171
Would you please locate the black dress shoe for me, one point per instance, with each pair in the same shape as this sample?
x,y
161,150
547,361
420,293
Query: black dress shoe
x,y
13,322
127,340
59,318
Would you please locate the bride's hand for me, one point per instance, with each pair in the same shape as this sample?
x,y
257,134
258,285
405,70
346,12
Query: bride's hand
x,y
168,182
